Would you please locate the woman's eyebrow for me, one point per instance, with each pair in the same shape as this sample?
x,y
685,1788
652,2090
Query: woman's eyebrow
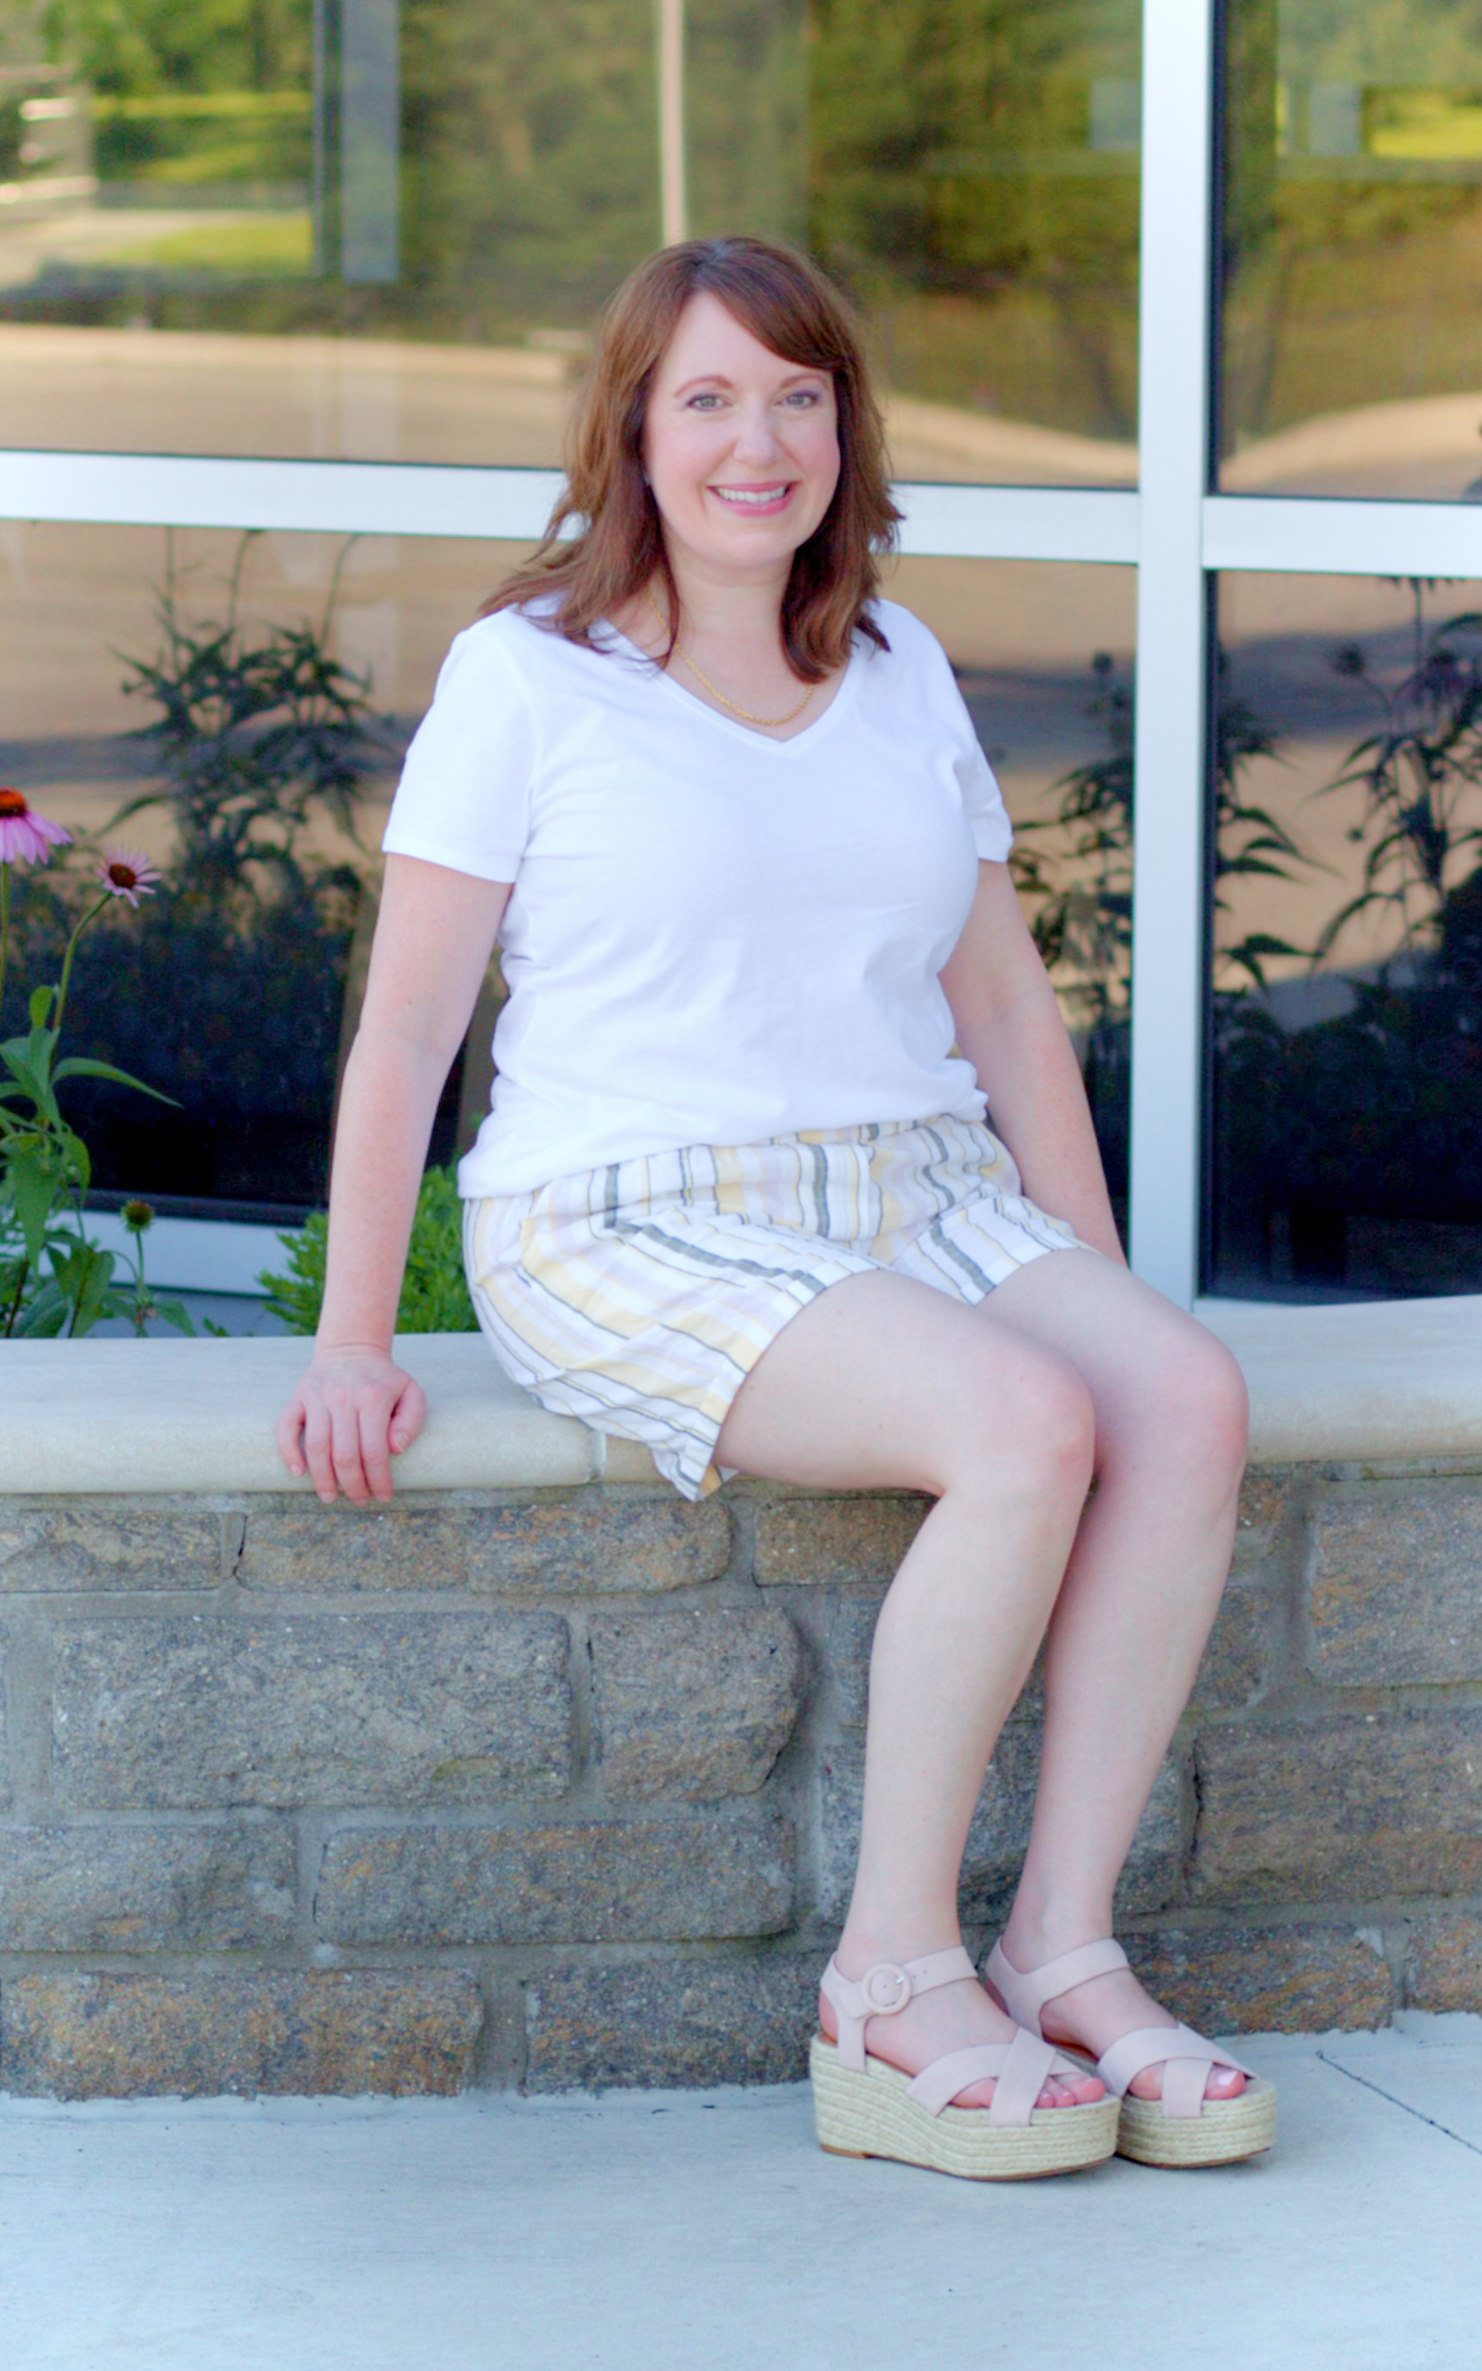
x,y
716,378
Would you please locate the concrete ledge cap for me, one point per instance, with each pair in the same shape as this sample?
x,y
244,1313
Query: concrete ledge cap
x,y
1356,1380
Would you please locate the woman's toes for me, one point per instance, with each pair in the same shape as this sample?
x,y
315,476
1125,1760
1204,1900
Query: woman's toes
x,y
1225,2082
1071,2091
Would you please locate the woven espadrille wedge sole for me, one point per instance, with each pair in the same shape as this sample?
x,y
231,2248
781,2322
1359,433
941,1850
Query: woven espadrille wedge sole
x,y
1183,2128
867,2108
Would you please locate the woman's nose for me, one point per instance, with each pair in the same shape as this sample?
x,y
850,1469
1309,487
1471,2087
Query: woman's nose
x,y
756,434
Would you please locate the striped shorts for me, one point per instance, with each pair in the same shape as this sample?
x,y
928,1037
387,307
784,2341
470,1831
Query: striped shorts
x,y
639,1296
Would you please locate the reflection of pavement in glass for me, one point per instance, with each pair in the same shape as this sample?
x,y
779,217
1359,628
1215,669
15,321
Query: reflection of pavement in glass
x,y
187,391
1427,448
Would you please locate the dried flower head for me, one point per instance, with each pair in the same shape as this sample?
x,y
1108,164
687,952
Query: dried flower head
x,y
125,872
137,1216
25,836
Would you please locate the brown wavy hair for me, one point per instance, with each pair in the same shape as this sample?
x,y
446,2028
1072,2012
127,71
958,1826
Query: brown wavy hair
x,y
792,309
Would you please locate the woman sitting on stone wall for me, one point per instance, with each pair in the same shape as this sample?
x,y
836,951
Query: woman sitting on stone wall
x,y
737,1198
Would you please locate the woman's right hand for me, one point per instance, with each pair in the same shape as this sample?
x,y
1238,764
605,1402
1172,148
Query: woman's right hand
x,y
353,1410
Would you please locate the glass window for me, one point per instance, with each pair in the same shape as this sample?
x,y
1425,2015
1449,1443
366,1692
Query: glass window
x,y
380,229
1352,334
1043,653
1346,1156
235,988
237,716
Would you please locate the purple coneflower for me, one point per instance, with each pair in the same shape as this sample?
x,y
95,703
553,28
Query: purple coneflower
x,y
124,872
25,836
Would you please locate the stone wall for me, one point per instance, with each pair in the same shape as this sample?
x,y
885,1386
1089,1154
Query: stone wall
x,y
560,1787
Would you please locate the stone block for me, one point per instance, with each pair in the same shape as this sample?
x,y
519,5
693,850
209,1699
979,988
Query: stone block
x,y
698,1702
1445,1965
102,1543
1266,1502
1394,1595
999,1832
662,2023
84,2036
835,1542
90,1887
851,1638
1355,1809
1276,1979
592,1541
584,1882
6,1797
1233,1671
196,1711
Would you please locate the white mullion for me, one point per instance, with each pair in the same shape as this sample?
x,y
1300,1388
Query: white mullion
x,y
1321,536
1091,523
412,498
1168,881
340,497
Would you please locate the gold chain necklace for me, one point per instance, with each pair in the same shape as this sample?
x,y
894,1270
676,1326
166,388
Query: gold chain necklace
x,y
769,723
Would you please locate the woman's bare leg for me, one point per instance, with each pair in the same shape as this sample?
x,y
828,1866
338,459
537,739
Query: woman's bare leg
x,y
885,1382
1131,1621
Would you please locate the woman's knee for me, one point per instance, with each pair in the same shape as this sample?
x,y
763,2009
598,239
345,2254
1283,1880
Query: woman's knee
x,y
1199,1407
1032,1429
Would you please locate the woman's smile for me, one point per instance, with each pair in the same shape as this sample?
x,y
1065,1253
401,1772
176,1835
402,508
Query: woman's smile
x,y
761,501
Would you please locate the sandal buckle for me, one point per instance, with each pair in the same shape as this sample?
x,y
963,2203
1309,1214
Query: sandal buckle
x,y
887,1988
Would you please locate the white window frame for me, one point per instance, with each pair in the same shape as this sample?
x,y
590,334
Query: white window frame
x,y
1172,529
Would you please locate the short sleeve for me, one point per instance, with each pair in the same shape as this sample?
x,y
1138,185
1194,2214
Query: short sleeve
x,y
982,801
464,795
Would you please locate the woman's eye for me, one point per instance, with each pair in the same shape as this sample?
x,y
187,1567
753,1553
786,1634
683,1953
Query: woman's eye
x,y
706,402
804,397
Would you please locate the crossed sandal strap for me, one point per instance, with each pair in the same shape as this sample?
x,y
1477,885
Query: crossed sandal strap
x,y
884,1992
1184,2056
1020,2069
1024,1995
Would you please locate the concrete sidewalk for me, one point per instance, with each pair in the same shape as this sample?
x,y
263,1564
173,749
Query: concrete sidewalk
x,y
669,2232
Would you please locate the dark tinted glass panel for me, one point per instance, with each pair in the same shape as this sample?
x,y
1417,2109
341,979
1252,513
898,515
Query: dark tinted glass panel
x,y
1352,334
1347,1068
1043,653
380,229
294,668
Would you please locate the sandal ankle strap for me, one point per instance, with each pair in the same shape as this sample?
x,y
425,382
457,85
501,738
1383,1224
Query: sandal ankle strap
x,y
1025,1992
884,1991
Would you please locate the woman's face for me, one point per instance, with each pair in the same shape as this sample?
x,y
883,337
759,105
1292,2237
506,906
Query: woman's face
x,y
741,447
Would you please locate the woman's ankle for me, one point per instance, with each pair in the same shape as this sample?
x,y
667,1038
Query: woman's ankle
x,y
866,1943
1039,1932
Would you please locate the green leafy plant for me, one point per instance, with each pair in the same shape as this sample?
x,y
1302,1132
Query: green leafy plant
x,y
1420,772
53,1278
1083,924
259,747
434,1292
256,736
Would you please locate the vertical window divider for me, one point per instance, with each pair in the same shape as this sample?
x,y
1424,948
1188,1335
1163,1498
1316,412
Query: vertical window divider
x,y
1168,926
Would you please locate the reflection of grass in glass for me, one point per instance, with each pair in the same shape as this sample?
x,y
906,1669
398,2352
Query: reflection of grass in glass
x,y
1012,356
1423,123
239,156
173,106
204,136
268,246
1369,297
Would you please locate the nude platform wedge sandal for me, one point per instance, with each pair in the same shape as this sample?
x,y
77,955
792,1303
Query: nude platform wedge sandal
x,y
867,2108
1183,2128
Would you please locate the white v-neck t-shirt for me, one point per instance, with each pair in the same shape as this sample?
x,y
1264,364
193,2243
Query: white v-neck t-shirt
x,y
713,937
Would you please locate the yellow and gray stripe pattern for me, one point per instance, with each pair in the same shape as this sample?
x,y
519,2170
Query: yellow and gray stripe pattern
x,y
640,1295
